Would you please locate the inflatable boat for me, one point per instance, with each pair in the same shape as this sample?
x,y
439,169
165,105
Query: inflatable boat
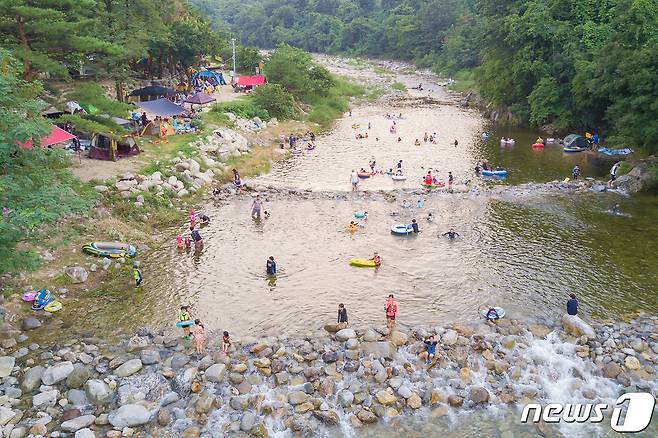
x,y
362,263
402,229
501,172
113,250
398,177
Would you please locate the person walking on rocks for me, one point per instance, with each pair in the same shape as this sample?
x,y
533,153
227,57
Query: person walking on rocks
x,y
199,335
391,309
256,207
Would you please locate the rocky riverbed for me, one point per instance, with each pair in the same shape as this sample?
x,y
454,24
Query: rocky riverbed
x,y
341,379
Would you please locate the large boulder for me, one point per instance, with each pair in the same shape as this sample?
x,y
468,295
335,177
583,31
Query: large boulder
x,y
478,395
57,373
611,370
382,349
32,379
30,324
398,338
215,373
345,334
129,415
574,325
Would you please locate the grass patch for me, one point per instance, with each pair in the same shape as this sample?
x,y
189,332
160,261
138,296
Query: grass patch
x,y
328,108
464,81
398,86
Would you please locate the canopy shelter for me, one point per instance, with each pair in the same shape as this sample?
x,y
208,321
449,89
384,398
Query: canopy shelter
x,y
200,98
161,107
152,92
575,141
217,78
251,81
57,135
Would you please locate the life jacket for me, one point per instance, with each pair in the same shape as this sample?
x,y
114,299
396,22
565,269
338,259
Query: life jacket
x,y
428,179
183,316
391,308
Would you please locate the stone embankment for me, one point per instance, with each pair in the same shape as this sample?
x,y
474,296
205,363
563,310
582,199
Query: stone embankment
x,y
154,385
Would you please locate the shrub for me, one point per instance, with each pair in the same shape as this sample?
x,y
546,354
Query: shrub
x,y
276,100
243,108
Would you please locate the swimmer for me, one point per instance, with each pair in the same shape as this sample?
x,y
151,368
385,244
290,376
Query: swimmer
x,y
266,214
417,142
451,234
406,204
420,204
430,218
414,226
205,220
615,210
188,242
492,314
352,227
399,139
365,216
179,242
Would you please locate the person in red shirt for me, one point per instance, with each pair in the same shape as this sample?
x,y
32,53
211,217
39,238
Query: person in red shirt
x,y
428,178
391,309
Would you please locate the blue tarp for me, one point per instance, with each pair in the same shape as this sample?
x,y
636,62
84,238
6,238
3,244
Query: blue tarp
x,y
207,74
161,107
607,151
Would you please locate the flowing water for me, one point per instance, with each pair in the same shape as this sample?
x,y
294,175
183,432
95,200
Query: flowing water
x,y
524,253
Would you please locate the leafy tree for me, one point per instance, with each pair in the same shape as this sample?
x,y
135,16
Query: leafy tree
x,y
276,100
52,36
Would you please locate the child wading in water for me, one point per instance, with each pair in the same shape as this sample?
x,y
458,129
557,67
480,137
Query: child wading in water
x,y
226,343
185,317
199,335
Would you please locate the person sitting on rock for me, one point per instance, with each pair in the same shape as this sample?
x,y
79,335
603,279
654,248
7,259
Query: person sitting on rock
x,y
430,350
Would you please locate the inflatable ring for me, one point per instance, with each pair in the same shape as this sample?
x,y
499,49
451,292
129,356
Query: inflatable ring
x,y
359,214
183,324
53,306
29,296
499,311
502,172
402,229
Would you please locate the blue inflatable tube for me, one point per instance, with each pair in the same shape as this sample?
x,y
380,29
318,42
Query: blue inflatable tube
x,y
184,324
494,173
42,299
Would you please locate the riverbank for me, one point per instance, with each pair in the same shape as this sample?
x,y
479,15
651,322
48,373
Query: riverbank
x,y
330,383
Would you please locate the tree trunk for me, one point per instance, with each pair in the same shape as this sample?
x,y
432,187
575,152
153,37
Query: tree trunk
x,y
26,47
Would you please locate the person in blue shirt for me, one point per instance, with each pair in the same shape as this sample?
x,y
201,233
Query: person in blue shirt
x,y
414,226
572,305
271,266
430,349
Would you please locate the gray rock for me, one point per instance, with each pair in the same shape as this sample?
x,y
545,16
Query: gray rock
x,y
150,357
205,403
371,336
85,433
179,360
345,398
379,350
574,325
18,432
98,392
78,423
247,421
137,343
57,373
611,370
449,337
129,368
30,324
78,376
46,398
129,415
330,357
405,391
6,365
216,372
345,334
21,352
6,415
77,397
77,274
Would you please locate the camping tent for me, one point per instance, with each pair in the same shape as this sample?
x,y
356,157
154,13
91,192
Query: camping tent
x,y
57,135
161,107
106,147
575,141
218,77
152,91
251,81
200,98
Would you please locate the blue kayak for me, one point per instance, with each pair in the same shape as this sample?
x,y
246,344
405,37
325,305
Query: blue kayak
x,y
501,172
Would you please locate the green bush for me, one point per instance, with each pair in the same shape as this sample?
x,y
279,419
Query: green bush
x,y
243,108
276,100
399,86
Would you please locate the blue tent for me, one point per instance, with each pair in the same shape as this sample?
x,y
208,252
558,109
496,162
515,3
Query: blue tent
x,y
161,107
217,78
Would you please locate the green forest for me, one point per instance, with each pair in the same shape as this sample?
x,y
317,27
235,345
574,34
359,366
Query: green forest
x,y
581,64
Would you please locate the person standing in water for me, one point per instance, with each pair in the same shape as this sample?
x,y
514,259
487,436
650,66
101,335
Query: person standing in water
x,y
342,315
354,179
451,234
391,309
256,207
270,267
456,143
450,180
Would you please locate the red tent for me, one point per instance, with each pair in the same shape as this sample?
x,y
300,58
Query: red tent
x,y
200,98
57,135
251,81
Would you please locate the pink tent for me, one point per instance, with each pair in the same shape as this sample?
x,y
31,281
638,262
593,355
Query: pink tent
x,y
57,135
200,98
